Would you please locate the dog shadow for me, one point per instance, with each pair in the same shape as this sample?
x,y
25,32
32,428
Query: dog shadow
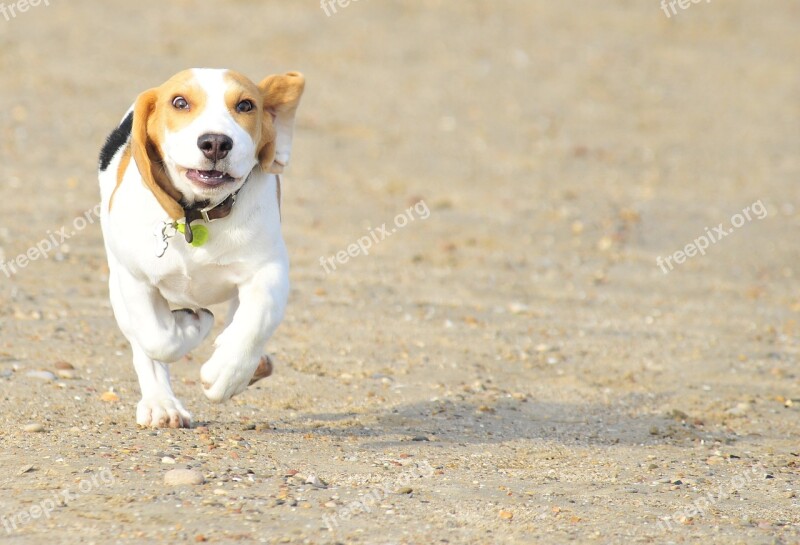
x,y
448,422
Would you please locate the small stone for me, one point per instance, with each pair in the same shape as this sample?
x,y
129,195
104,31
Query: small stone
x,y
652,466
316,482
405,490
180,477
219,492
66,373
249,427
63,365
200,538
506,515
25,469
740,409
109,397
330,504
420,438
46,376
33,428
167,460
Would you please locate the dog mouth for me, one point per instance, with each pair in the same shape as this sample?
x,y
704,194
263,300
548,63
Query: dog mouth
x,y
209,178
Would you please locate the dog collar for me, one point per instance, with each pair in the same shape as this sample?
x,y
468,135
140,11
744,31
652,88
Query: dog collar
x,y
165,230
208,214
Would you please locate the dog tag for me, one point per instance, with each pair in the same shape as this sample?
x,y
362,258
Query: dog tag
x,y
200,233
162,232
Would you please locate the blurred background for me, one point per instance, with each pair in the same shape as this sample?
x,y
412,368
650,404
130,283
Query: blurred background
x,y
524,326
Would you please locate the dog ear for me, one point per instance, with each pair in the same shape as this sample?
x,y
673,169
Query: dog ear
x,y
281,96
146,151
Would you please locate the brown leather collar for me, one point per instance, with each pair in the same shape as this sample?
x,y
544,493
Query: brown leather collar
x,y
197,211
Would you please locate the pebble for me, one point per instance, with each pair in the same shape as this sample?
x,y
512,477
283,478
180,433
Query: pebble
x,y
33,428
63,365
405,490
66,373
41,375
179,477
739,410
316,482
109,396
506,515
420,438
167,460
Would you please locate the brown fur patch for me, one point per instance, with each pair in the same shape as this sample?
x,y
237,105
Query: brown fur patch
x,y
238,88
124,161
280,93
167,117
153,116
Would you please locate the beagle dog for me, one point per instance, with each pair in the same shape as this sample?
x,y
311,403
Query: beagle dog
x,y
190,186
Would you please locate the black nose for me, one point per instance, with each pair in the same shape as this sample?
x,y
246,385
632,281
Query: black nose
x,y
215,146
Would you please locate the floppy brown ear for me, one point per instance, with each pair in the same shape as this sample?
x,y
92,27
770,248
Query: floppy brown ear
x,y
281,96
146,152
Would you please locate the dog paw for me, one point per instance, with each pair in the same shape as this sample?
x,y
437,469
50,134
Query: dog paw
x,y
222,379
162,412
263,370
195,326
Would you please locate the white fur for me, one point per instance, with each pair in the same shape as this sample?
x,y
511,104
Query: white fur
x,y
244,262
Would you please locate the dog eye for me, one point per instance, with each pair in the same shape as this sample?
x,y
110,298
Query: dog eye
x,y
245,106
180,103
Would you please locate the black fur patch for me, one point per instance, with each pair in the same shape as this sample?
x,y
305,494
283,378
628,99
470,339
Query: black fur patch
x,y
117,139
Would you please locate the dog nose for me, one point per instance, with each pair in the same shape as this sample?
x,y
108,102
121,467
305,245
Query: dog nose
x,y
215,146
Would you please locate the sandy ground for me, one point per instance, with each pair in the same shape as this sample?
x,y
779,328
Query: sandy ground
x,y
559,385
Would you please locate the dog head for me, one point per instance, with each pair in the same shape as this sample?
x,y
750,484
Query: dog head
x,y
197,137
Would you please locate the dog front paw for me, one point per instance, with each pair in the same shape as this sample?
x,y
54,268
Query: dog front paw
x,y
162,412
223,379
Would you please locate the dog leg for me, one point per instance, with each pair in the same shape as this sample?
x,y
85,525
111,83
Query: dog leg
x,y
163,335
158,407
239,347
234,306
